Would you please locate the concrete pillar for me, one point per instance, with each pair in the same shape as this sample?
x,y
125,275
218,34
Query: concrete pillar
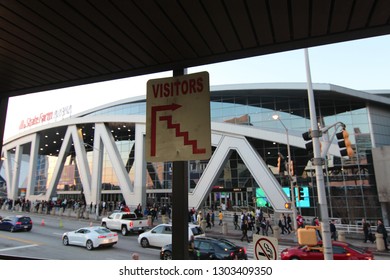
x,y
380,243
165,219
40,208
276,231
224,228
341,236
69,212
150,221
203,224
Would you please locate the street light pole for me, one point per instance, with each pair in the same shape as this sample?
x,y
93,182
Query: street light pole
x,y
318,162
292,190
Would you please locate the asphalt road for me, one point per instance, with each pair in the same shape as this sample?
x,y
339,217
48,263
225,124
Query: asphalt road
x,y
44,242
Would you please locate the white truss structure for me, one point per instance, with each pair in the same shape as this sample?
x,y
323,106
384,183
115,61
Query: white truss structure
x,y
225,137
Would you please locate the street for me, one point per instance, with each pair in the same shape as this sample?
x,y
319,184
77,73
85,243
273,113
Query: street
x,y
44,242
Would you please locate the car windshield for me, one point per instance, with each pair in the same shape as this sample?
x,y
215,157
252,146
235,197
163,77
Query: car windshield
x,y
226,245
357,249
197,231
24,219
128,216
102,230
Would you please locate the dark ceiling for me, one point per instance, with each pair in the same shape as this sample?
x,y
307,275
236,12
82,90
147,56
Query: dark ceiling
x,y
48,44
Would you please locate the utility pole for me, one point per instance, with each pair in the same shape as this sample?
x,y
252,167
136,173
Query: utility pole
x,y
318,161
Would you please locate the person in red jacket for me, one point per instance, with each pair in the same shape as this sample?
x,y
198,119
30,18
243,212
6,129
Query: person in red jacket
x,y
300,223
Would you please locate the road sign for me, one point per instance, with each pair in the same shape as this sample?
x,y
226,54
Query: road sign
x,y
265,247
178,125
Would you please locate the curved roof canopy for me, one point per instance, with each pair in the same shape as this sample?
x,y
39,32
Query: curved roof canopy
x,y
52,44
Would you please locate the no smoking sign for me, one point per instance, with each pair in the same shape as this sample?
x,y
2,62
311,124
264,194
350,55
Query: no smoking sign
x,y
265,248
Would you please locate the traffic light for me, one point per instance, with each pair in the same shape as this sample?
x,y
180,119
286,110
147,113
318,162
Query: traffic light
x,y
345,143
309,141
301,194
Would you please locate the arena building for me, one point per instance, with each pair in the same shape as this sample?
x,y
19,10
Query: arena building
x,y
99,155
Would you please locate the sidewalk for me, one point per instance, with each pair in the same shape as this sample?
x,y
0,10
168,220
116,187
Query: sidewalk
x,y
286,239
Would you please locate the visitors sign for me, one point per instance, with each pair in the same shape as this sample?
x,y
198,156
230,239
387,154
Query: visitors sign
x,y
178,124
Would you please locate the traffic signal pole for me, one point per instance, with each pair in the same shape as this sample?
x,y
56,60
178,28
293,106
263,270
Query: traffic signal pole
x,y
318,161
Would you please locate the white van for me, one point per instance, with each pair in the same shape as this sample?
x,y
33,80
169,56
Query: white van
x,y
161,235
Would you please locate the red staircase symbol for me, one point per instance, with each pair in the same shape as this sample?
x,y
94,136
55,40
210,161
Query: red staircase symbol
x,y
183,134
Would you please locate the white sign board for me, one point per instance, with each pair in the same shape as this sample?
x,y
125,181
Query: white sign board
x,y
178,124
265,247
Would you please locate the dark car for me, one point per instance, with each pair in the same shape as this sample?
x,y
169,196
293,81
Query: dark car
x,y
16,223
207,248
341,251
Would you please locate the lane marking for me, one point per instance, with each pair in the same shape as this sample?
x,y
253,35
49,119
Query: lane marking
x,y
19,239
18,247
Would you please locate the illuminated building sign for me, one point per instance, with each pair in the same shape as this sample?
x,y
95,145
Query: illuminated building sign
x,y
46,117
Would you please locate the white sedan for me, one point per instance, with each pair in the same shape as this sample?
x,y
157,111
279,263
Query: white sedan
x,y
90,237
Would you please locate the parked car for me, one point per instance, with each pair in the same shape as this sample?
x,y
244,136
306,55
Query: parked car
x,y
341,251
207,248
90,237
16,223
161,235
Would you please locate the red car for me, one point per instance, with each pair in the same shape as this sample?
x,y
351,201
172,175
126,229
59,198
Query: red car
x,y
341,251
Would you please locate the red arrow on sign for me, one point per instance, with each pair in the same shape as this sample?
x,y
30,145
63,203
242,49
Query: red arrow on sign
x,y
153,125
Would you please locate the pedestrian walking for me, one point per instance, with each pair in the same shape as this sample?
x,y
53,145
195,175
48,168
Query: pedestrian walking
x,y
367,231
300,222
257,223
333,230
289,223
235,221
208,220
244,229
382,230
268,226
286,224
220,217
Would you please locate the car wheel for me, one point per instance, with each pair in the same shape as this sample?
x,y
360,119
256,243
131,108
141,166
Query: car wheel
x,y
89,245
167,255
124,231
295,259
65,241
144,242
104,225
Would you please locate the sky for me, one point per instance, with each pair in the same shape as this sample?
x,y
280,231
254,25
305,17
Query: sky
x,y
360,64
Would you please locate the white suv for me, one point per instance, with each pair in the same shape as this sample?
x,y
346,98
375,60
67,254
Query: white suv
x,y
161,235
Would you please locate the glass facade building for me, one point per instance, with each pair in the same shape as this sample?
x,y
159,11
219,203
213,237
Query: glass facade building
x,y
349,181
